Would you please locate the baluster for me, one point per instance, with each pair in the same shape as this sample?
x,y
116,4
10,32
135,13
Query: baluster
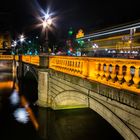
x,y
128,76
136,78
113,74
107,72
101,73
85,68
96,72
120,74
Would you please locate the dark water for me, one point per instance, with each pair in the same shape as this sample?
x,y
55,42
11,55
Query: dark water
x,y
73,124
82,124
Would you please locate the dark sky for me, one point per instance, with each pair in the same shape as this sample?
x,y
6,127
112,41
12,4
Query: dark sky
x,y
90,15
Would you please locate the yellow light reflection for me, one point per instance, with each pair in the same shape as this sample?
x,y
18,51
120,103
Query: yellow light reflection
x,y
6,84
25,104
29,110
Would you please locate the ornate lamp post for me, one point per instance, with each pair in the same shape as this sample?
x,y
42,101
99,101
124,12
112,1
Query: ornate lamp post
x,y
47,22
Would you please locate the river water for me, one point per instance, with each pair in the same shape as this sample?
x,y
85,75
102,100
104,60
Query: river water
x,y
16,123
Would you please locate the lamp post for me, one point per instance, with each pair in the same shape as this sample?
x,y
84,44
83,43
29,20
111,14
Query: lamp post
x,y
47,22
14,45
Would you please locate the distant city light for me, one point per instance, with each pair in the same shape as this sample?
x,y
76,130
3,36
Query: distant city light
x,y
15,43
95,45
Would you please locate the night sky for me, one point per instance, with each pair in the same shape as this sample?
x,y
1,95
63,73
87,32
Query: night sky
x,y
90,15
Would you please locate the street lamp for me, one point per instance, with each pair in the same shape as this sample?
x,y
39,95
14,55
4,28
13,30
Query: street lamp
x,y
47,22
14,44
21,39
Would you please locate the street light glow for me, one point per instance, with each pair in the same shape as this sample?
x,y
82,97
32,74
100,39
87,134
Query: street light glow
x,y
44,24
22,38
49,21
47,16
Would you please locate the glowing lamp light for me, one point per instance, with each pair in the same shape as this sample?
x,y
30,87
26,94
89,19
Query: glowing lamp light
x,y
44,24
47,16
49,21
15,43
22,38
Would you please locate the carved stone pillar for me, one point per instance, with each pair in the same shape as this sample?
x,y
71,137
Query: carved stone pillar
x,y
107,72
136,78
128,76
96,72
120,74
101,72
113,74
43,88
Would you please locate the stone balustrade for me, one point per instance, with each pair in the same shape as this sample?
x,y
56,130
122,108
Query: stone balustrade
x,y
34,59
119,73
6,57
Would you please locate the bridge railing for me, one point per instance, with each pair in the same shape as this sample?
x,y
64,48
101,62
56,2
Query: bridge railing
x,y
6,57
119,73
31,59
41,61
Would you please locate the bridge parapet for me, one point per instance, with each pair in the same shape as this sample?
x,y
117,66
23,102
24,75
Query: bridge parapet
x,y
118,73
6,57
41,61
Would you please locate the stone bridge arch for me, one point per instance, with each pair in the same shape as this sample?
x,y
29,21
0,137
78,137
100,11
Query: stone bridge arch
x,y
74,99
59,90
69,99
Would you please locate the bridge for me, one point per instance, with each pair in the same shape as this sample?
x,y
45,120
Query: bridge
x,y
110,87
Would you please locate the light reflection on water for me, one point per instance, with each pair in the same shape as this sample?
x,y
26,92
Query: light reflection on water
x,y
21,115
15,114
14,98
